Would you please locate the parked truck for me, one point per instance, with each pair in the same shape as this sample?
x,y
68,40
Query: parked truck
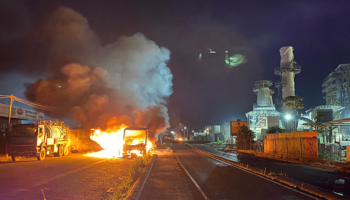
x,y
38,140
135,141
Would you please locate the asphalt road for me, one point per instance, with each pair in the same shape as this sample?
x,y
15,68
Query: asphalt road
x,y
312,175
222,181
70,177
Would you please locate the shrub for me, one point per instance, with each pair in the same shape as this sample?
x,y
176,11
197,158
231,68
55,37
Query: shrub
x,y
326,155
135,171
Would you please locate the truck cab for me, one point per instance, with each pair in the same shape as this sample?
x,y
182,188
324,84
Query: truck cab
x,y
135,141
23,141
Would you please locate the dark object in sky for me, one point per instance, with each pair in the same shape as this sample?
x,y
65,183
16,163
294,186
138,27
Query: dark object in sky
x,y
231,58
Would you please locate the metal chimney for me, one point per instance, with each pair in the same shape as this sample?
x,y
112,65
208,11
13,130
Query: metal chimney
x,y
287,71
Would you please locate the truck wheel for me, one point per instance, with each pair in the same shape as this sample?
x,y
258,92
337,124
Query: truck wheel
x,y
60,151
66,150
15,158
42,154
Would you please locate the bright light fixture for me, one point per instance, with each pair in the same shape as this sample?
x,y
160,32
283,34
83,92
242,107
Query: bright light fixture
x,y
288,117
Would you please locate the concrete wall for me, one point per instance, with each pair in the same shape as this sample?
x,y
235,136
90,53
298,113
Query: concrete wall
x,y
302,144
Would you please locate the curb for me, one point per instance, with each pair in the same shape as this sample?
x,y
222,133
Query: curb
x,y
281,179
136,190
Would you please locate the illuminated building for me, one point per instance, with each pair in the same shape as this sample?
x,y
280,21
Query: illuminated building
x,y
336,89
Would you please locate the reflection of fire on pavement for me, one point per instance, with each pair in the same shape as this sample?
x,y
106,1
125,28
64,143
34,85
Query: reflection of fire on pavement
x,y
115,144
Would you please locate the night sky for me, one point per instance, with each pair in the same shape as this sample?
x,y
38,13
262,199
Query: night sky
x,y
205,92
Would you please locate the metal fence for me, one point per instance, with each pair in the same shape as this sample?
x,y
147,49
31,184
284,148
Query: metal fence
x,y
244,144
298,147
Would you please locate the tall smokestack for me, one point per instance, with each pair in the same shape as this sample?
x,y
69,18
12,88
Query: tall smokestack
x,y
287,71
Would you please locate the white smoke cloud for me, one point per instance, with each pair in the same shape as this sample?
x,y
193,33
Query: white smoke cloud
x,y
145,78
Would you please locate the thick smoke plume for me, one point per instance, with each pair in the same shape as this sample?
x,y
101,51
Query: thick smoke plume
x,y
126,82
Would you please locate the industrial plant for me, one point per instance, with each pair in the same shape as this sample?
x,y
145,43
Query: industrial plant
x,y
264,114
279,126
328,124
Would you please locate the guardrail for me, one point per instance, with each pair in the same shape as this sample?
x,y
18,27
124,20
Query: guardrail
x,y
136,190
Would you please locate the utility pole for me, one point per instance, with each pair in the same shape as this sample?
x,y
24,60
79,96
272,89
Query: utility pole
x,y
10,110
9,124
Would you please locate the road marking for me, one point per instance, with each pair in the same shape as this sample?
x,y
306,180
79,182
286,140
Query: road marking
x,y
16,191
194,182
110,190
42,191
232,165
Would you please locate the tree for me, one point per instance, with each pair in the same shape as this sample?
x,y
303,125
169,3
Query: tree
x,y
245,137
293,103
275,129
318,120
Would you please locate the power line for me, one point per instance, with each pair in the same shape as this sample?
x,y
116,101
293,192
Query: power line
x,y
29,103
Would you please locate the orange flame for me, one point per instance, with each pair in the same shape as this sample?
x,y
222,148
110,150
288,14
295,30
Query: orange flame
x,y
112,143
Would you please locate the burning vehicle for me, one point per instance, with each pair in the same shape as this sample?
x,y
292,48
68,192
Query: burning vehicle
x,y
135,141
39,140
121,142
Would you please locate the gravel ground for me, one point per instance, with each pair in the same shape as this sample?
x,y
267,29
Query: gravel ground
x,y
72,177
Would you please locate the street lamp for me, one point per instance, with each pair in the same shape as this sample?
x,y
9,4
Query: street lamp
x,y
288,117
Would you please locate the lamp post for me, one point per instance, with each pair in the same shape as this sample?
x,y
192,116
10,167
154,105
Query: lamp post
x,y
186,131
206,135
288,117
